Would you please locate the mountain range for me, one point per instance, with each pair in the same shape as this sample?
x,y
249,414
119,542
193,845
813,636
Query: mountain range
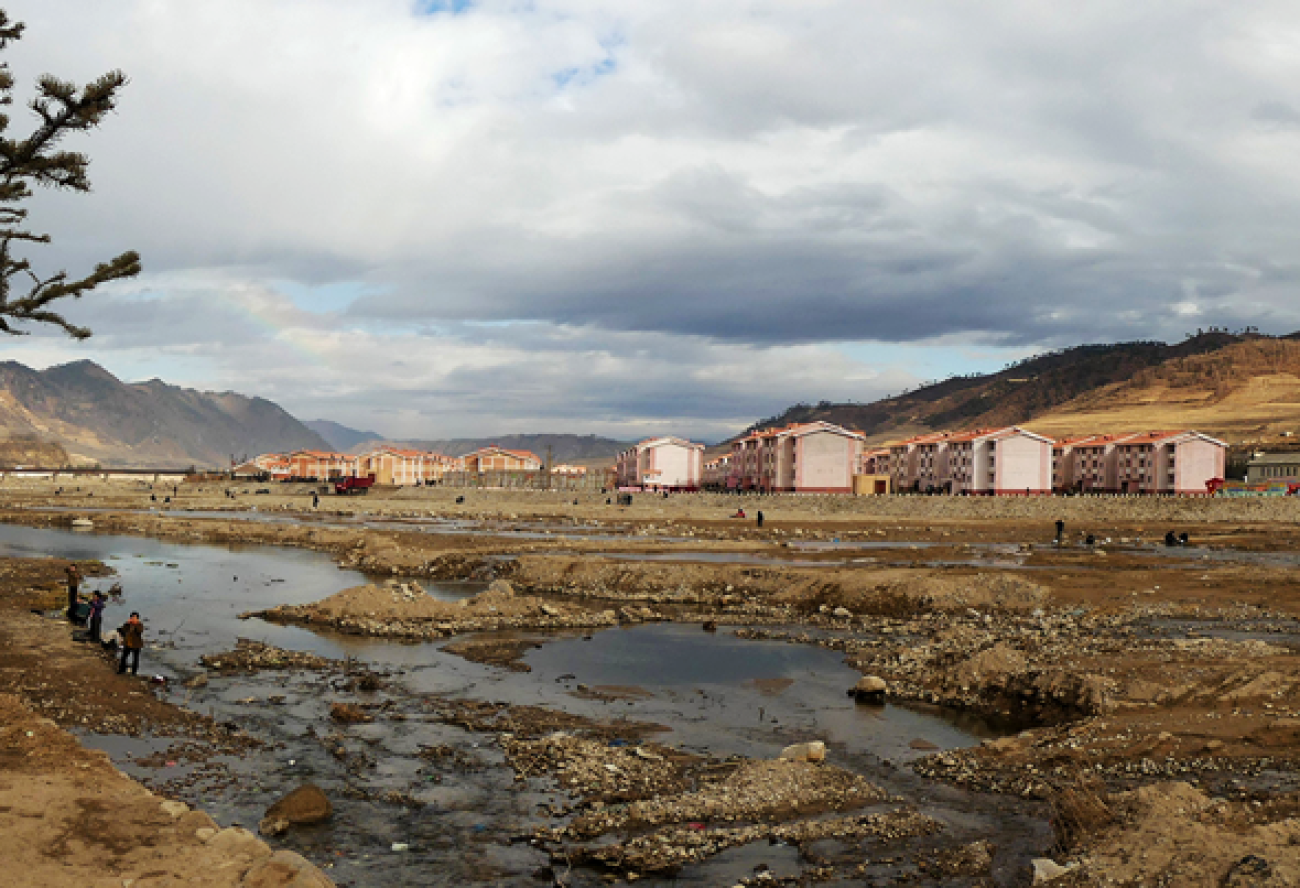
x,y
1241,387
96,417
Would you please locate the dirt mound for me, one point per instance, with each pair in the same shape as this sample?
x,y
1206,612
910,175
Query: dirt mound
x,y
1173,834
402,609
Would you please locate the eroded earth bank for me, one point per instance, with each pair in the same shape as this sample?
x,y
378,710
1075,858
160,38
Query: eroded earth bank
x,y
522,688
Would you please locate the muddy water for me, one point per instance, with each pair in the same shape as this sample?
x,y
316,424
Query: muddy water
x,y
715,693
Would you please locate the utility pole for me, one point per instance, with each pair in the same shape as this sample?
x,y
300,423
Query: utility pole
x,y
549,466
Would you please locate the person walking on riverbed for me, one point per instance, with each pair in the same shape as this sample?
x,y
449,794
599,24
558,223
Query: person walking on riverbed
x,y
74,583
132,633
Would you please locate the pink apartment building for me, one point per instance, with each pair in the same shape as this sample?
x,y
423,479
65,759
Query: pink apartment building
x,y
1065,461
815,457
905,466
716,472
1001,461
664,463
1168,462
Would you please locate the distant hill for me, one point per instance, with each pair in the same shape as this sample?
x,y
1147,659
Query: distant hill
x,y
339,436
30,452
589,450
97,417
1244,387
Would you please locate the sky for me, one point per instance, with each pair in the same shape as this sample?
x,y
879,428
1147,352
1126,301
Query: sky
x,y
475,217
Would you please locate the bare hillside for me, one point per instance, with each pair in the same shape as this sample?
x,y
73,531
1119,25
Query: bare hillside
x,y
1244,387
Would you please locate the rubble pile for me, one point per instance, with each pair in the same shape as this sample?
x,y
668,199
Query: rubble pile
x,y
254,656
674,847
403,610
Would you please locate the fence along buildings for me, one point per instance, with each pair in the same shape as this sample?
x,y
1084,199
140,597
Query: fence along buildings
x,y
664,463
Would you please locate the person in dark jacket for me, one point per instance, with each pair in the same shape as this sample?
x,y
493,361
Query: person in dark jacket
x,y
74,583
132,633
97,602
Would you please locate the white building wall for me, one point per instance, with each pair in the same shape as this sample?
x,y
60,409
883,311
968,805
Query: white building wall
x,y
826,462
1196,462
675,464
1023,463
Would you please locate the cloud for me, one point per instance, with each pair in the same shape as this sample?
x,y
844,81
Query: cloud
x,y
739,183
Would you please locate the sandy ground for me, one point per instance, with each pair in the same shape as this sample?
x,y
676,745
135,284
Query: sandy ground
x,y
1159,691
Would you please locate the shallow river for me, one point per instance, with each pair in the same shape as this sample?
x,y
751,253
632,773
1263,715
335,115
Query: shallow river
x,y
716,694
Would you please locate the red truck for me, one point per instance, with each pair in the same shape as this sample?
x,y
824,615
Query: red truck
x,y
344,486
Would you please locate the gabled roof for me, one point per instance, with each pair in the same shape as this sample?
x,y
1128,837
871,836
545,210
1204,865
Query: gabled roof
x,y
493,448
668,439
810,428
1072,442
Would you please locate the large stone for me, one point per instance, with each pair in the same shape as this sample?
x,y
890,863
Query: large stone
x,y
813,751
236,842
870,687
502,587
1047,870
306,804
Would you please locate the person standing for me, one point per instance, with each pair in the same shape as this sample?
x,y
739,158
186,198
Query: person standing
x,y
74,583
1060,531
132,633
760,519
97,602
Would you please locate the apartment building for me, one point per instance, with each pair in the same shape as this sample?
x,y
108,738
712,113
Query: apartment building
x,y
497,459
1168,462
815,457
321,465
1065,462
999,461
665,463
404,467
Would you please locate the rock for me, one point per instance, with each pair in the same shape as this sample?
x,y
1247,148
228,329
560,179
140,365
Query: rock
x,y
342,712
551,610
198,681
842,613
306,804
175,809
1249,870
285,869
870,688
1047,870
813,751
204,833
235,841
502,587
273,826
192,821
